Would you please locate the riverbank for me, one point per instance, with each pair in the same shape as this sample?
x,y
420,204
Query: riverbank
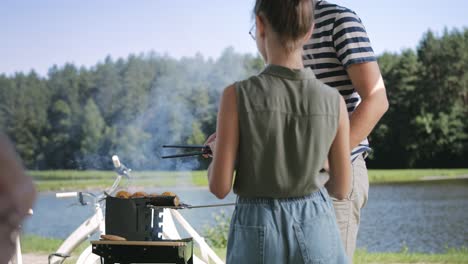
x,y
67,180
37,248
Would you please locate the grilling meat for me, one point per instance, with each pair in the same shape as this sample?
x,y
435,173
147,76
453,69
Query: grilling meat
x,y
112,238
139,195
123,194
168,194
165,199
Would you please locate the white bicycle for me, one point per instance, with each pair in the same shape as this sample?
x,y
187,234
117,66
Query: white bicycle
x,y
92,225
96,224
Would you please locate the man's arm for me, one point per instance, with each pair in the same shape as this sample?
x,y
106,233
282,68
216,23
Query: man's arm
x,y
355,52
368,82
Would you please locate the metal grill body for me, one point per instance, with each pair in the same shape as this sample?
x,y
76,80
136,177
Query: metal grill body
x,y
123,252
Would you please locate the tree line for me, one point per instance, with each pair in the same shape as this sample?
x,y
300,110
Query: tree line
x,y
77,117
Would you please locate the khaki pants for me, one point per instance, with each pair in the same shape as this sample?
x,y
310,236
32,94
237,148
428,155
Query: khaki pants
x,y
348,211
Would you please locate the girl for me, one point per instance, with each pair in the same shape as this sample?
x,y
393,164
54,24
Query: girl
x,y
277,129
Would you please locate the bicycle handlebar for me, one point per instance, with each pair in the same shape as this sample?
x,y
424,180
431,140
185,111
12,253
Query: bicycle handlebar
x,y
116,161
121,171
66,195
120,168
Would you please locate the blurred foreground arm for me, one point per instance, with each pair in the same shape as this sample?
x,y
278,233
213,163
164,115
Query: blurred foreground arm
x,y
17,195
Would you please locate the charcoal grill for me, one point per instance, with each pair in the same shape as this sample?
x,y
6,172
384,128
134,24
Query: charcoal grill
x,y
134,220
125,252
140,222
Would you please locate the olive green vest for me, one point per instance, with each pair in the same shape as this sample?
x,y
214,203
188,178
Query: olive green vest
x,y
287,122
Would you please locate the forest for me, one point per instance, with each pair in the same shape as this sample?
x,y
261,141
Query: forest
x,y
77,117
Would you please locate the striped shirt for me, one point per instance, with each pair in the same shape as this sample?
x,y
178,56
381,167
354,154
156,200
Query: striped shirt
x,y
339,41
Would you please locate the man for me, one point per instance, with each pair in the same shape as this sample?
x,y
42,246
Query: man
x,y
16,195
340,54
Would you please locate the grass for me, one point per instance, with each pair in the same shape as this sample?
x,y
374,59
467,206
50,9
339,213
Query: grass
x,y
40,245
61,180
37,244
45,246
221,252
389,176
452,256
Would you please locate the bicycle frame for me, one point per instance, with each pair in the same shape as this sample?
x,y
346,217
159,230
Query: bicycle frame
x,y
95,223
17,258
84,231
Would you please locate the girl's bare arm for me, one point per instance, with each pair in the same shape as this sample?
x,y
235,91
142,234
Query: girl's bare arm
x,y
221,170
339,159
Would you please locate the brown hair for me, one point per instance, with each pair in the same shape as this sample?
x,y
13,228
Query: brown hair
x,y
290,19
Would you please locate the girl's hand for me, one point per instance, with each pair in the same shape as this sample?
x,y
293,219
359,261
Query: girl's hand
x,y
211,143
326,166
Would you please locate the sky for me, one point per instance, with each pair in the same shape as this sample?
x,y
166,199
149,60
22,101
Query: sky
x,y
37,34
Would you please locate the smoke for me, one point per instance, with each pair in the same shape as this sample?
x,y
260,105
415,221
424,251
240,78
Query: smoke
x,y
168,120
186,92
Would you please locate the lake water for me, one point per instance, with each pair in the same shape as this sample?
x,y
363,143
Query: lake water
x,y
424,217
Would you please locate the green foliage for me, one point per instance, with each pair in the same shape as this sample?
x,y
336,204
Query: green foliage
x,y
439,124
92,126
400,73
23,112
217,235
76,118
428,93
197,137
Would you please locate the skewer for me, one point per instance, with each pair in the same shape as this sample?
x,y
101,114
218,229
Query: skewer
x,y
186,206
184,155
210,205
204,150
185,146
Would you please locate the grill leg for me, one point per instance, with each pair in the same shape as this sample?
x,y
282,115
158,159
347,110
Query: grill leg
x,y
107,261
190,261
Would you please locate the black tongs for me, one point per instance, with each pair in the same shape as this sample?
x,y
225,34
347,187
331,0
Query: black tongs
x,y
202,150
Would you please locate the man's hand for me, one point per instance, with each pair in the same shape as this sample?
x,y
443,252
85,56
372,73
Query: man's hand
x,y
211,142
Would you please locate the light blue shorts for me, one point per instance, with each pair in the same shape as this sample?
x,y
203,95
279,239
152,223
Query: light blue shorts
x,y
289,230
